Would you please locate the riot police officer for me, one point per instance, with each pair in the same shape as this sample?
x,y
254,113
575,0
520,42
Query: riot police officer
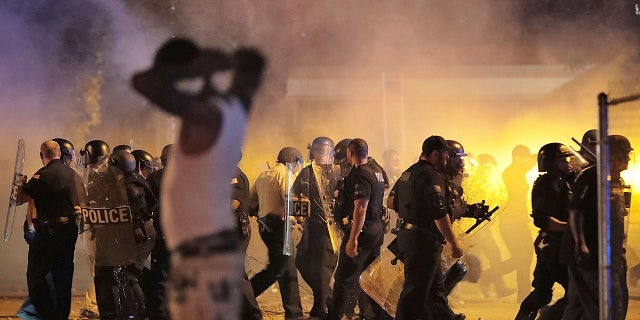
x,y
316,256
53,192
550,199
94,157
144,162
66,156
584,227
363,197
155,280
420,200
240,205
267,195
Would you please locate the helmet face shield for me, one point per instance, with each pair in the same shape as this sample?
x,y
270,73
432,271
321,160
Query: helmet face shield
x,y
550,153
576,160
85,157
322,154
321,150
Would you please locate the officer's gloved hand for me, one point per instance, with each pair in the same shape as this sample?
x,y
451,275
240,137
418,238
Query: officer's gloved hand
x,y
139,231
29,232
477,210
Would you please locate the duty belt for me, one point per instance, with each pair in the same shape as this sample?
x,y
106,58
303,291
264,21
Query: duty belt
x,y
63,219
402,225
225,241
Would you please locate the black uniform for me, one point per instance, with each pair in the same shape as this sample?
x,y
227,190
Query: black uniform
x,y
240,192
584,277
550,197
420,200
156,296
53,189
135,192
363,182
315,258
143,203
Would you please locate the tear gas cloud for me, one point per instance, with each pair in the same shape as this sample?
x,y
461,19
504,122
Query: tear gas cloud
x,y
489,74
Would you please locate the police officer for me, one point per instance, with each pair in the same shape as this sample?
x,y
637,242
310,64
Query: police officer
x,y
143,204
573,308
363,197
155,280
583,222
240,205
420,200
66,156
53,191
316,258
144,162
550,198
267,194
94,157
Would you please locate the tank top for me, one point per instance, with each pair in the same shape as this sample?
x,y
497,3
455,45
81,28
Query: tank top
x,y
195,191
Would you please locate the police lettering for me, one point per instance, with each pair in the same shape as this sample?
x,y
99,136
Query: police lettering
x,y
301,208
106,215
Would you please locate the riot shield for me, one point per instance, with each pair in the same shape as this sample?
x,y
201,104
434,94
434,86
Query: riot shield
x,y
325,177
108,215
15,185
122,242
287,248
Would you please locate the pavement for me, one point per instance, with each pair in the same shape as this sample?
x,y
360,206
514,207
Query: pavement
x,y
468,300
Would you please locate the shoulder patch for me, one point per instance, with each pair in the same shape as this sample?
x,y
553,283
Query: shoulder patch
x,y
405,176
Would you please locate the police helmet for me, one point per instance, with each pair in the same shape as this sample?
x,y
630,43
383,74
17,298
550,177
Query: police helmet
x,y
455,148
164,156
340,151
321,150
143,159
94,151
456,155
124,147
289,155
619,144
590,137
551,152
66,150
123,160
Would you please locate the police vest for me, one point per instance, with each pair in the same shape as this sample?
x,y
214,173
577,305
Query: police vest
x,y
375,178
412,209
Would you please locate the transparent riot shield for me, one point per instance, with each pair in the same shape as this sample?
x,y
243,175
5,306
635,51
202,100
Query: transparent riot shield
x,y
326,177
617,116
108,216
287,248
15,185
384,278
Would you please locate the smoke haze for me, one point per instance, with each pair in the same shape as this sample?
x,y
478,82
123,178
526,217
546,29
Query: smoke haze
x,y
490,74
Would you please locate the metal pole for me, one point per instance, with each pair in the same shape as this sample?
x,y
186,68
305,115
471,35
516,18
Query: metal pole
x,y
604,212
